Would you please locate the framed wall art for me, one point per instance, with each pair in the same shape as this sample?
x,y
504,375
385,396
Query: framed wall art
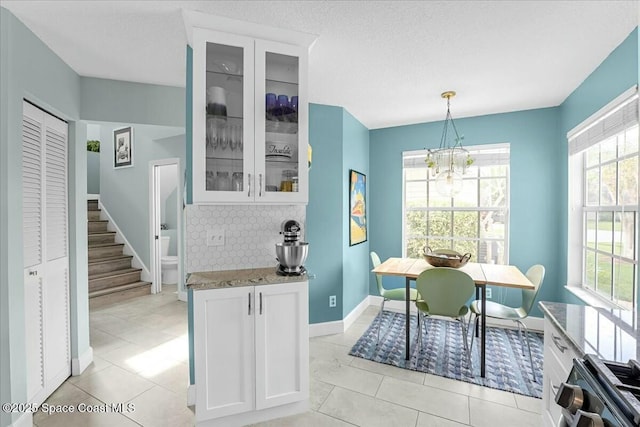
x,y
123,147
357,207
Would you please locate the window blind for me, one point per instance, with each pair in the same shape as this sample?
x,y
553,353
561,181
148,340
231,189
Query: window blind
x,y
613,120
483,155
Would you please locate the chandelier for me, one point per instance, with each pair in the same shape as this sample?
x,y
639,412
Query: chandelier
x,y
449,161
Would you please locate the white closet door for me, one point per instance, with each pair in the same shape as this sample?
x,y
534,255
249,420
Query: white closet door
x,y
56,284
32,235
46,261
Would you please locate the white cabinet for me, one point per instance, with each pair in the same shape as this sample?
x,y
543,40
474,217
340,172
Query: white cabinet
x,y
250,119
558,361
251,352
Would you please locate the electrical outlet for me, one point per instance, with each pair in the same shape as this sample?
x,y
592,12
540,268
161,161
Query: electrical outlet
x,y
332,301
215,237
488,293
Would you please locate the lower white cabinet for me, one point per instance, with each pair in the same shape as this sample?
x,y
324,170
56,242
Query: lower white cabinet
x,y
558,361
251,351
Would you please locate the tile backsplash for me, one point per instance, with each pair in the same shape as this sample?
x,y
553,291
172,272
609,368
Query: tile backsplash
x,y
251,233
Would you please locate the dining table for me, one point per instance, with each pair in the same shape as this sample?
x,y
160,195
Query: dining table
x,y
508,276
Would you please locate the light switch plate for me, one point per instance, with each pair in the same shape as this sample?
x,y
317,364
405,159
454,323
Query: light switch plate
x,y
215,237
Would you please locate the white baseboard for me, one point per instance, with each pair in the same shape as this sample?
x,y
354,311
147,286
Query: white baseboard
x,y
93,197
355,313
80,364
532,323
326,328
191,395
136,262
25,420
339,326
398,306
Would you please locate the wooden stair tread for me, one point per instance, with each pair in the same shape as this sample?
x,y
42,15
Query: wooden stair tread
x,y
120,288
110,259
98,220
114,273
105,233
104,245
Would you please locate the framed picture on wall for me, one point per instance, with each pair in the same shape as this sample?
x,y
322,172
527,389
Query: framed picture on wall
x,y
123,147
357,207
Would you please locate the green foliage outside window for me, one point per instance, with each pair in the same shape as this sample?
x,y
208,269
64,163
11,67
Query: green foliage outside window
x,y
93,145
440,226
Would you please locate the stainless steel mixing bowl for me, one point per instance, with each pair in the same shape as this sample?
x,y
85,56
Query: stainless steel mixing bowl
x,y
292,255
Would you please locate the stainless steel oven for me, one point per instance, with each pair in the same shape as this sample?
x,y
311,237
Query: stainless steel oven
x,y
600,393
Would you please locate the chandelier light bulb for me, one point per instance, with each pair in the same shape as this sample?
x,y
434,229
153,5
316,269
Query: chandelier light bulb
x,y
449,183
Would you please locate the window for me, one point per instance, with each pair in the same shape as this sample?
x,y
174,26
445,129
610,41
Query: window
x,y
603,191
476,220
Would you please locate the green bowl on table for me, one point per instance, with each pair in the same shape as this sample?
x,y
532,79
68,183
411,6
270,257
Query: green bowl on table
x,y
445,257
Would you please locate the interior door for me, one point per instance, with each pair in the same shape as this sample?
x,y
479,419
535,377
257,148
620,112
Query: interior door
x,y
156,253
46,251
32,236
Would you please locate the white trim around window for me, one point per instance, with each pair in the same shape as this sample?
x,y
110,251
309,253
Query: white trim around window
x,y
603,229
475,221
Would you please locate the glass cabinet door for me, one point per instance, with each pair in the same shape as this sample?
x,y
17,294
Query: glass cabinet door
x,y
223,139
281,124
224,126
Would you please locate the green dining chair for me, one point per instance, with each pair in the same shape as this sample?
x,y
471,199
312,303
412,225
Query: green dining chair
x,y
397,294
535,274
444,291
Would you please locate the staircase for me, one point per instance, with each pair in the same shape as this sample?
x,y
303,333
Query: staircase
x,y
110,270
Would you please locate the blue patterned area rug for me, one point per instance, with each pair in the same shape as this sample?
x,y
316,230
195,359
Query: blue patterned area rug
x,y
442,353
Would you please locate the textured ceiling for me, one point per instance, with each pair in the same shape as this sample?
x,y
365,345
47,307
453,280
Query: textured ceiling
x,y
385,62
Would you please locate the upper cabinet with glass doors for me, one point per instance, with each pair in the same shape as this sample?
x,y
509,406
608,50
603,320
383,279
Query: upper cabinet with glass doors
x,y
250,119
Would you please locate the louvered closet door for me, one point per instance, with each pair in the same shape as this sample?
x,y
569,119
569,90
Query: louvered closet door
x,y
32,235
45,234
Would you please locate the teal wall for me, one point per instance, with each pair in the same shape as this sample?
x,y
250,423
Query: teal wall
x,y
355,259
325,212
534,224
29,69
617,73
104,100
93,172
340,142
125,191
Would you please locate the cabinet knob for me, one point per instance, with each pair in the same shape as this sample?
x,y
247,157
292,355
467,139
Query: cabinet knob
x,y
587,419
570,397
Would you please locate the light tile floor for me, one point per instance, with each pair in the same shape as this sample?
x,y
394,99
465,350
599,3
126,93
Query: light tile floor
x,y
141,357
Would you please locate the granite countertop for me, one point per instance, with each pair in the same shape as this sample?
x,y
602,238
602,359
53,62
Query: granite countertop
x,y
238,278
610,333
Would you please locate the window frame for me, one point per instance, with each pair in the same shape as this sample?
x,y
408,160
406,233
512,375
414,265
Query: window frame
x,y
452,208
578,245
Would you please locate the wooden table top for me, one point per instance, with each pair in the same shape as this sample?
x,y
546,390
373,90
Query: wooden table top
x,y
506,275
492,274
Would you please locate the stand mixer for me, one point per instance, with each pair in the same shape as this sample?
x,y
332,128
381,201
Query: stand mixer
x,y
291,253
